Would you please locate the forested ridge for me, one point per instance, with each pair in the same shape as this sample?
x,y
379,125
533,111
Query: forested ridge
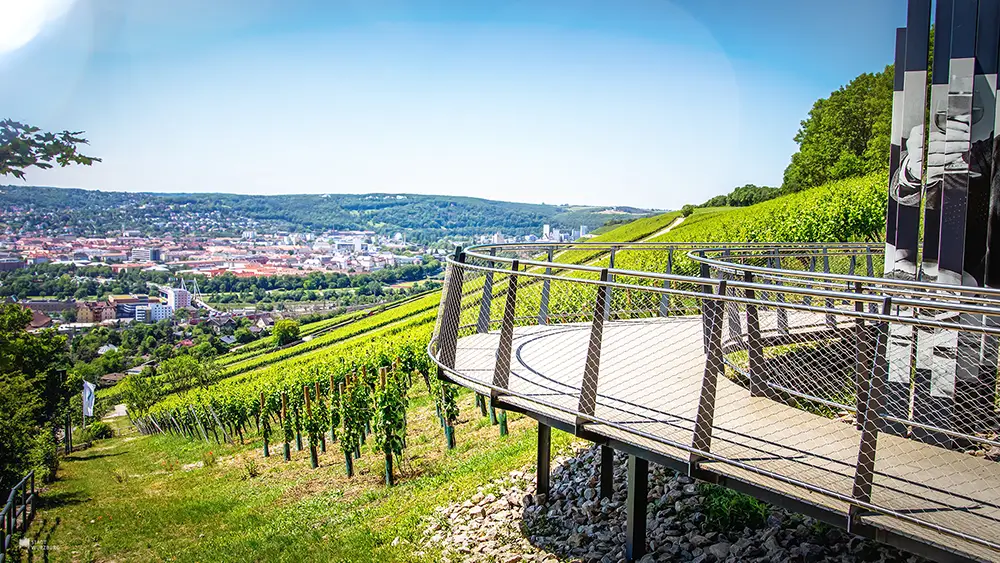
x,y
424,218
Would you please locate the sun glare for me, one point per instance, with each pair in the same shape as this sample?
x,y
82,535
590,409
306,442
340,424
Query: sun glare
x,y
21,21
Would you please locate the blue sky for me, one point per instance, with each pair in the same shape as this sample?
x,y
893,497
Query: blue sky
x,y
652,104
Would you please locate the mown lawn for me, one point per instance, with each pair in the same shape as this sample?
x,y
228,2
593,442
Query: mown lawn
x,y
151,498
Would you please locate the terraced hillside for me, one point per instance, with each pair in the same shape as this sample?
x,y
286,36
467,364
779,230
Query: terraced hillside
x,y
205,474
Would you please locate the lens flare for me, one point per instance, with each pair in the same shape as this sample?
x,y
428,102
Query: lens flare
x,y
20,21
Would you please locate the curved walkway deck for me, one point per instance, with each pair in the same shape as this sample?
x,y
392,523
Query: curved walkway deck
x,y
651,392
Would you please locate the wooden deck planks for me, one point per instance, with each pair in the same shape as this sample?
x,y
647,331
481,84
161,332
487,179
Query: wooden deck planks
x,y
650,379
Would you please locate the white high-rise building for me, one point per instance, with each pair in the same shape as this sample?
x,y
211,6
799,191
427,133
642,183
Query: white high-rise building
x,y
583,230
545,231
497,238
178,298
154,312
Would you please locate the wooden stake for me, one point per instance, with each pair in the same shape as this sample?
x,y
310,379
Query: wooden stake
x,y
322,435
284,417
313,461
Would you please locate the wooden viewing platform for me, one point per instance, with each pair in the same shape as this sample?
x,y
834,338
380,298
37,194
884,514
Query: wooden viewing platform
x,y
657,393
664,384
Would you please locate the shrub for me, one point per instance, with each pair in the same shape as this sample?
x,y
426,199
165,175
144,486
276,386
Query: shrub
x,y
208,459
44,459
285,331
727,510
98,430
250,468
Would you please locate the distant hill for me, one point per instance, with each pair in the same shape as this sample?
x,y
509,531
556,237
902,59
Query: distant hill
x,y
27,209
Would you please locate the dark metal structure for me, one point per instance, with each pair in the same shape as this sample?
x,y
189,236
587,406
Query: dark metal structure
x,y
17,513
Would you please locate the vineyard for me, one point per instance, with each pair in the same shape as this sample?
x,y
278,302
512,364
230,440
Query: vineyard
x,y
352,378
358,402
354,325
266,345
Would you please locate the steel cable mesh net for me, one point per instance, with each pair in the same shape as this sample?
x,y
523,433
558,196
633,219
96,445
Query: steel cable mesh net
x,y
632,358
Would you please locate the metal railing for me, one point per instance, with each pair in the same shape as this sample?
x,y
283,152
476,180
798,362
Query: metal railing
x,y
18,512
793,363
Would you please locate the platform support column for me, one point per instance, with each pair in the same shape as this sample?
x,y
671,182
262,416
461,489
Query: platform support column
x,y
635,508
607,471
714,366
865,468
543,469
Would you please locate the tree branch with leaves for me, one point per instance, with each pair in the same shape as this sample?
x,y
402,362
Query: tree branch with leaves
x,y
24,146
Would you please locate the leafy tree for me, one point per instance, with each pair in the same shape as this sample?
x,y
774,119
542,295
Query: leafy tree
x,y
181,372
243,335
845,135
687,210
140,391
163,352
204,351
18,404
23,146
34,392
285,331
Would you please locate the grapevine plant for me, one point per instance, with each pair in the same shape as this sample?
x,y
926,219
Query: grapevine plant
x,y
391,402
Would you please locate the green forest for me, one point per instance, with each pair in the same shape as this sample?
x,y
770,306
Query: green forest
x,y
423,218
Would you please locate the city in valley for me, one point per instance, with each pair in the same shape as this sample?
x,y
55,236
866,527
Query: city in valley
x,y
182,273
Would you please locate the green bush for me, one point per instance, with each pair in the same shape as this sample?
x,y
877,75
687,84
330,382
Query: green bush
x,y
43,457
98,430
727,510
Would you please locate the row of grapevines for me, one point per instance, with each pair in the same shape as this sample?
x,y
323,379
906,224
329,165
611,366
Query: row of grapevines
x,y
342,392
427,303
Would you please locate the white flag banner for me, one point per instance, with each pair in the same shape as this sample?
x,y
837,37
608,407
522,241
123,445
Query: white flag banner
x,y
88,398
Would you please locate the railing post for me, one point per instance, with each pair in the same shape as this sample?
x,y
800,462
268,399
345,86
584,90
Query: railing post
x,y
862,359
588,388
610,278
501,370
755,348
24,507
32,495
667,284
865,468
483,323
733,310
831,319
702,439
779,297
448,337
705,272
807,299
543,304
